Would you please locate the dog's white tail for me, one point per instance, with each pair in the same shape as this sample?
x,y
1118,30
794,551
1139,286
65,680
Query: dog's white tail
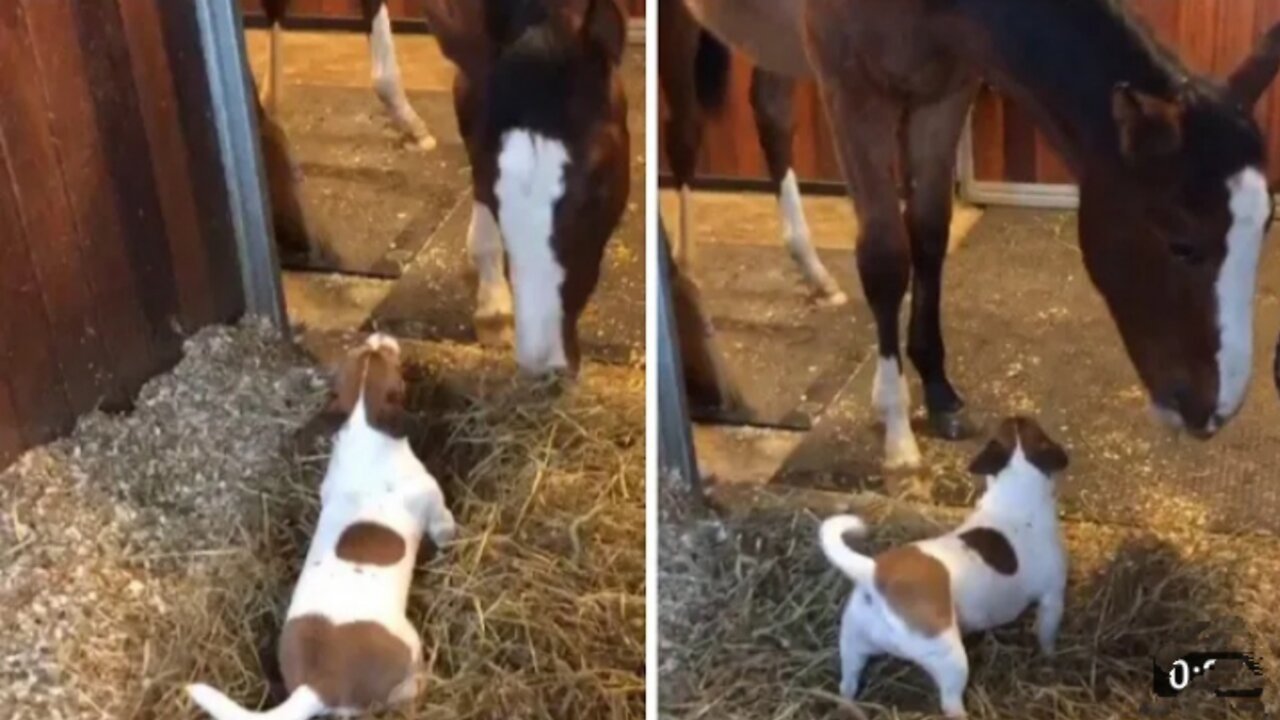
x,y
857,566
301,705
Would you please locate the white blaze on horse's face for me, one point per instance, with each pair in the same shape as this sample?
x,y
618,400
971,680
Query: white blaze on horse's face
x,y
1250,206
530,183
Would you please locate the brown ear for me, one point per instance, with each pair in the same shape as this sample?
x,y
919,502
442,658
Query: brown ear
x,y
1041,451
1149,127
1251,79
993,458
384,395
345,386
605,26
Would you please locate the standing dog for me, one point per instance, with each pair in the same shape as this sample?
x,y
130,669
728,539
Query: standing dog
x,y
914,601
347,646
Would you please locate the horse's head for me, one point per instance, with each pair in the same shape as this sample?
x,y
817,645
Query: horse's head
x,y
1173,240
556,127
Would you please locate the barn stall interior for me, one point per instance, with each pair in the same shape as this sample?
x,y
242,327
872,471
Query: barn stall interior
x,y
160,436
1174,543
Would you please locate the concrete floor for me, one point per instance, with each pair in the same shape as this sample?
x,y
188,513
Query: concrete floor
x,y
397,216
1026,333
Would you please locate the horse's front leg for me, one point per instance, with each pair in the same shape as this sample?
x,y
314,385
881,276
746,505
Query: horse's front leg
x,y
865,125
386,76
275,11
772,100
931,135
678,38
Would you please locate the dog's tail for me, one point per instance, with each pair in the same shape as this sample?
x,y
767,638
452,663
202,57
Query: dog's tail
x,y
303,704
831,536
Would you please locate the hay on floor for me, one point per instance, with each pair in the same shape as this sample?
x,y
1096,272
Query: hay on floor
x,y
160,547
749,611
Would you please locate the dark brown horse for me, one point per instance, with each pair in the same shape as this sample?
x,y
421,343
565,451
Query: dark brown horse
x,y
382,56
692,67
542,112
1174,203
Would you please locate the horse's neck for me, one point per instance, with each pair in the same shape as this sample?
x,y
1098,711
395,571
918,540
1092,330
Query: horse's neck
x,y
1061,59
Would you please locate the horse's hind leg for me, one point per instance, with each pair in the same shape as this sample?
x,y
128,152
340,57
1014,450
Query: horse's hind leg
x,y
386,76
274,11
932,133
678,36
772,100
866,126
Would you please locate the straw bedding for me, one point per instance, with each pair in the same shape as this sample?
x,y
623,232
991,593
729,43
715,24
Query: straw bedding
x,y
160,547
750,609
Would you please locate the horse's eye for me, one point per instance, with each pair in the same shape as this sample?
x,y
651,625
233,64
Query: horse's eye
x,y
1188,253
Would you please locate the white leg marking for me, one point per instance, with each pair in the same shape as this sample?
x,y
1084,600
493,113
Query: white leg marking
x,y
271,93
1236,285
795,233
493,297
684,246
892,400
386,82
530,182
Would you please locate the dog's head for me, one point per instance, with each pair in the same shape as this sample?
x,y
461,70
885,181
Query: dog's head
x,y
371,373
1019,443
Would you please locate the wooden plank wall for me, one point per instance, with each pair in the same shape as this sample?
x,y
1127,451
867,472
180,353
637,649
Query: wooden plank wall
x,y
1210,35
114,225
350,9
731,147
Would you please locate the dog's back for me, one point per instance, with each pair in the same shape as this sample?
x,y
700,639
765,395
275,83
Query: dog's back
x,y
347,645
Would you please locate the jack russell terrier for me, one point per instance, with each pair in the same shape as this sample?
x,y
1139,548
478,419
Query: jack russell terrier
x,y
347,646
914,601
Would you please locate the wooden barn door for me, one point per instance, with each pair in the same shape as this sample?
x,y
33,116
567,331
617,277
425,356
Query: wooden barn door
x,y
1010,161
117,236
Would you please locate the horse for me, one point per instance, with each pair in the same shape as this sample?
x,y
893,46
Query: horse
x,y
692,70
382,54
543,116
1174,203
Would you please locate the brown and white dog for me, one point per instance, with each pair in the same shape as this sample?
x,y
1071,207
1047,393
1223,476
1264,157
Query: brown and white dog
x,y
347,646
915,601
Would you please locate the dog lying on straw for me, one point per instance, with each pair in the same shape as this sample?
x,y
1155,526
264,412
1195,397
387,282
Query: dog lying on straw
x,y
347,646
914,601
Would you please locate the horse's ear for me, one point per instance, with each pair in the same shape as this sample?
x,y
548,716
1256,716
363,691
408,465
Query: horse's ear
x,y
1149,127
1257,71
605,26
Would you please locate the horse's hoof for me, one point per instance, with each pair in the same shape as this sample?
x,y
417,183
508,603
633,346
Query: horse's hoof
x,y
422,143
833,299
951,425
902,455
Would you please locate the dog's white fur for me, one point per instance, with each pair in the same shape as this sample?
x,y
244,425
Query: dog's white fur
x,y
1019,503
372,477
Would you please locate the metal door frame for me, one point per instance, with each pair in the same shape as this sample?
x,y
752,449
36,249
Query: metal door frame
x,y
235,119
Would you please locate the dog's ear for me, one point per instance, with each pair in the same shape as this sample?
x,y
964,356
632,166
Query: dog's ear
x,y
992,459
996,454
1041,451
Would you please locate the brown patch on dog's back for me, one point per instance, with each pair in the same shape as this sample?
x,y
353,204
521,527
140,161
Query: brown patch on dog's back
x,y
370,543
993,547
918,588
352,665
